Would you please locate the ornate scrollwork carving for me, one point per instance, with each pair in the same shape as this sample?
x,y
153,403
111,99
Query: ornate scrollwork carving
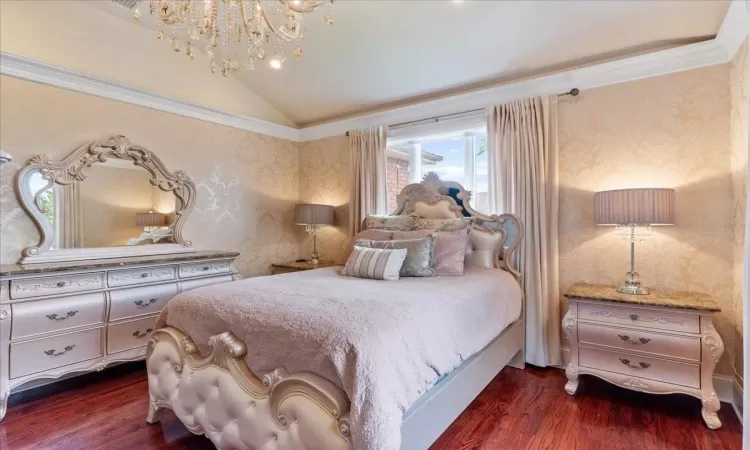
x,y
712,341
710,406
635,385
569,322
72,169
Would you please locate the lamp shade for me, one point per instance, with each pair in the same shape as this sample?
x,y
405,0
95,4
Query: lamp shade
x,y
312,214
651,206
150,219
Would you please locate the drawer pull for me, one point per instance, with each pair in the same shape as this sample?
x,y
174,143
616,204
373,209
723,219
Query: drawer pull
x,y
641,365
206,268
141,303
144,275
60,284
640,341
54,352
56,317
139,335
634,317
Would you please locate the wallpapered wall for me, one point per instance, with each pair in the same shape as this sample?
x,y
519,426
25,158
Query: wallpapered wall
x,y
739,147
324,178
247,183
670,131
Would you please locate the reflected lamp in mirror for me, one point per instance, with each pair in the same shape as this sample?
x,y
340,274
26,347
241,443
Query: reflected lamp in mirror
x,y
5,157
150,220
313,217
633,211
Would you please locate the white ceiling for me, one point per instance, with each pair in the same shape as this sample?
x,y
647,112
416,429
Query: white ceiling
x,y
384,53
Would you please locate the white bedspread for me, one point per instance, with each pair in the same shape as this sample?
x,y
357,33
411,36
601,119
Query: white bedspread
x,y
383,342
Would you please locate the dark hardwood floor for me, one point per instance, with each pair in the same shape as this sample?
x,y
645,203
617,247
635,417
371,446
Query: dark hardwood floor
x,y
519,410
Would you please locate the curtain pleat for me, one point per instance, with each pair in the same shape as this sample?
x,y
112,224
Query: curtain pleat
x,y
367,193
524,180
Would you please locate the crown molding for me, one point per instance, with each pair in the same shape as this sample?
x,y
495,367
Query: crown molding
x,y
41,72
719,50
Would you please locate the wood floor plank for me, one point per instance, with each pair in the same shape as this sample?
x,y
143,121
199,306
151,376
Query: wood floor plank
x,y
519,409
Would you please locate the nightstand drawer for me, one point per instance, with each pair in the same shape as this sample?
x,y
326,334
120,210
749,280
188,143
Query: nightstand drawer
x,y
638,340
661,319
641,366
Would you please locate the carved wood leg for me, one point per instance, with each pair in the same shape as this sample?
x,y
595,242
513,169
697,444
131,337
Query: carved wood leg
x,y
713,348
570,328
572,373
155,414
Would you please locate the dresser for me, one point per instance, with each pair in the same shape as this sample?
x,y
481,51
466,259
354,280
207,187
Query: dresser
x,y
59,319
660,343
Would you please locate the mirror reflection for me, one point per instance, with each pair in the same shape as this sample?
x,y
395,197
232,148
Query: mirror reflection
x,y
115,205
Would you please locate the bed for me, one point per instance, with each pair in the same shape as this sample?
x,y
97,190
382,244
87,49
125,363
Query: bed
x,y
316,360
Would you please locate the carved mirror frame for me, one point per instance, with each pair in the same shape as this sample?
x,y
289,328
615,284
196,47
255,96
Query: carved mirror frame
x,y
72,170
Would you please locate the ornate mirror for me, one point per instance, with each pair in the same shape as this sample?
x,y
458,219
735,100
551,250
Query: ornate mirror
x,y
107,199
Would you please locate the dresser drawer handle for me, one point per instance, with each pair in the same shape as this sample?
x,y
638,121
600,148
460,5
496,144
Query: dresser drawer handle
x,y
54,352
56,317
634,317
640,341
139,335
144,275
641,365
60,284
141,303
206,268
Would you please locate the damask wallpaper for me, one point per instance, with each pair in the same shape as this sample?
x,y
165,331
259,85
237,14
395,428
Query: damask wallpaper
x,y
739,140
670,131
324,178
247,183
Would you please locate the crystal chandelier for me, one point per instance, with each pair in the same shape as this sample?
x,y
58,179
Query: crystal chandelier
x,y
235,30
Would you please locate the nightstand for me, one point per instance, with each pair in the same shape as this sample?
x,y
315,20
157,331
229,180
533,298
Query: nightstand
x,y
660,343
298,266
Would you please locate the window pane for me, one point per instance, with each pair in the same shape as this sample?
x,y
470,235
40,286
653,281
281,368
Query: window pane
x,y
480,198
447,158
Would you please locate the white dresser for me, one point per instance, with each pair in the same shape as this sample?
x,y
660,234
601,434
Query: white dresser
x,y
57,319
659,343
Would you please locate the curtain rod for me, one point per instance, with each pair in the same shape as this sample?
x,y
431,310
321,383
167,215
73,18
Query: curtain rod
x,y
573,93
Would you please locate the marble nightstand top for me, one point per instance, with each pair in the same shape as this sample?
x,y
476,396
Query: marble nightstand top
x,y
657,297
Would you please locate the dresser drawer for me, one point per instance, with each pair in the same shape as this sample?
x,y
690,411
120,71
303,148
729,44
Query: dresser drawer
x,y
194,284
129,277
140,301
638,340
132,334
649,318
56,351
55,314
63,284
200,269
641,366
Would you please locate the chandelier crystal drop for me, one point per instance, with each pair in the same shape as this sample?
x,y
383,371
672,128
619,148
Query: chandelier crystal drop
x,y
234,30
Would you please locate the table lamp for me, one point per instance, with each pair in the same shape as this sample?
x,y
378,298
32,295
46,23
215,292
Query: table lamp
x,y
313,217
633,211
150,220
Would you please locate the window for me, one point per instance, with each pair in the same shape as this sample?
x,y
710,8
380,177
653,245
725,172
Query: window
x,y
456,151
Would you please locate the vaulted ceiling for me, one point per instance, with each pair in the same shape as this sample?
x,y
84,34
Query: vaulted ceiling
x,y
380,54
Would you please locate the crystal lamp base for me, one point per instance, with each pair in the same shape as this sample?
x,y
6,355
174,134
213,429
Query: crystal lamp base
x,y
633,286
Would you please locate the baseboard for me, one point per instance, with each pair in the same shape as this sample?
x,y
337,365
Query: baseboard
x,y
728,388
738,396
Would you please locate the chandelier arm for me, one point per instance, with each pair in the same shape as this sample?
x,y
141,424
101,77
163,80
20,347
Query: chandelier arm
x,y
171,15
303,7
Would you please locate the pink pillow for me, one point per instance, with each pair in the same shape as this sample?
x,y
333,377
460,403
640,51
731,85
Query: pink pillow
x,y
372,234
450,248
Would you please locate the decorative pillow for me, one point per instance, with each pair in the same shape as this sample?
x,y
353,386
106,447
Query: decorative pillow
x,y
374,263
442,224
372,234
394,223
420,254
483,249
450,248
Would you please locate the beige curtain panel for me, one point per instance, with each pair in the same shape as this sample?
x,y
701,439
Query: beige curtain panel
x,y
69,216
367,162
523,180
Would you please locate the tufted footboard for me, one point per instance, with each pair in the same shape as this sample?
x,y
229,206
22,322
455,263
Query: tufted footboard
x,y
220,397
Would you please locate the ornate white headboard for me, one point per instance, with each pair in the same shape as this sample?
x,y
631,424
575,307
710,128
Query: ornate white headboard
x,y
494,238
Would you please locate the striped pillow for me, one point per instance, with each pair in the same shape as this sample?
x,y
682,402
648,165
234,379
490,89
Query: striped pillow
x,y
375,263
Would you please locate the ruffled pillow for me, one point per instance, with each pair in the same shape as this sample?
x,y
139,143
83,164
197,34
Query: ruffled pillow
x,y
450,248
419,254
